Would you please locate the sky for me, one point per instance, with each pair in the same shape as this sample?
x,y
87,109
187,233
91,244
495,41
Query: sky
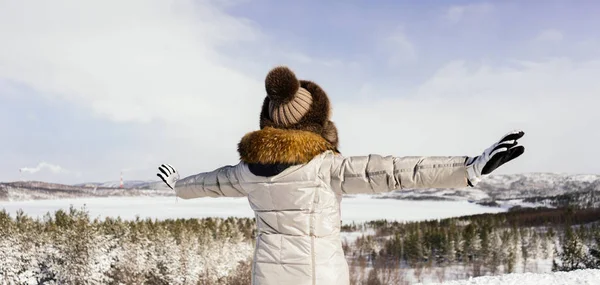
x,y
90,89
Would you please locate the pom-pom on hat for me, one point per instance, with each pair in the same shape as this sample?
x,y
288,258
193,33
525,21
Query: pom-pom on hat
x,y
296,104
288,101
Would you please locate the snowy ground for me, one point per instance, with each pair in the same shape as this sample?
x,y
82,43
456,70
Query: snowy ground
x,y
351,237
578,277
356,209
445,274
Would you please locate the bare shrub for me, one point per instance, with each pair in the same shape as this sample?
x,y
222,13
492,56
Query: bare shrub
x,y
242,274
440,274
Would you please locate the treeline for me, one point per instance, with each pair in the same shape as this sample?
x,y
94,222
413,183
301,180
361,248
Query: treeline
x,y
538,217
68,247
579,199
485,244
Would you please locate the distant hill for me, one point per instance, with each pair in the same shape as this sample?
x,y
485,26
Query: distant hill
x,y
550,189
116,184
36,190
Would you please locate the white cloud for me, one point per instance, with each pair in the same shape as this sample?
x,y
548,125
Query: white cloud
x,y
400,48
550,35
129,61
54,169
457,13
587,47
172,64
164,62
463,109
139,61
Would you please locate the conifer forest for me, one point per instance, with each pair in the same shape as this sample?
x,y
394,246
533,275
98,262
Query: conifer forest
x,y
67,247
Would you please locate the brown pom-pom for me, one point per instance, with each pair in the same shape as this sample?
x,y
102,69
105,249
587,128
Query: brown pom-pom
x,y
281,84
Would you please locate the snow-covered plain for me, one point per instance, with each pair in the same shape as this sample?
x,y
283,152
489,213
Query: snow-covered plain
x,y
577,277
354,209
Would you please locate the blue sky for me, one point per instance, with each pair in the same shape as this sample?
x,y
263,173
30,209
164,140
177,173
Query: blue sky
x,y
90,89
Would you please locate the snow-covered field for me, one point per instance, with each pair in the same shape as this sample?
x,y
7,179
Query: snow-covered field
x,y
355,209
577,277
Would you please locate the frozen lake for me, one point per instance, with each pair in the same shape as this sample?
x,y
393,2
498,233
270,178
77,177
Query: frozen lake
x,y
357,209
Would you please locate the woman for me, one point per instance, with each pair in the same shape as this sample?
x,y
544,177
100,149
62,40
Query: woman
x,y
294,178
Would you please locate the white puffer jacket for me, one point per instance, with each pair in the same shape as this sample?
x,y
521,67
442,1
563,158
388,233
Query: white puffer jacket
x,y
298,210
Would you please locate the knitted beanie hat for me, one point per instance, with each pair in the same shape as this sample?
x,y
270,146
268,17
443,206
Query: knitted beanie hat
x,y
289,113
296,104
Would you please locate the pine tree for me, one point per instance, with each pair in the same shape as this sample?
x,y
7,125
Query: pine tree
x,y
496,253
525,247
508,248
468,245
484,248
549,244
450,250
517,247
571,255
594,251
535,248
413,249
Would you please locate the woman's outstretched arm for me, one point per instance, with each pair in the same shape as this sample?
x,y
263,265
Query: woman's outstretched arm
x,y
376,174
222,182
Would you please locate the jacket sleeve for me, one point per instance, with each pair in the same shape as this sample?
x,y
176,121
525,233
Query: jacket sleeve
x,y
222,182
376,174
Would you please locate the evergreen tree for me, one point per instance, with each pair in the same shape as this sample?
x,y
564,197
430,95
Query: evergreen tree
x,y
484,248
549,244
469,243
413,250
509,251
535,248
496,253
517,247
571,255
525,247
593,260
450,251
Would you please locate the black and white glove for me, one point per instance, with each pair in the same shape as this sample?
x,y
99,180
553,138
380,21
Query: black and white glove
x,y
498,154
168,174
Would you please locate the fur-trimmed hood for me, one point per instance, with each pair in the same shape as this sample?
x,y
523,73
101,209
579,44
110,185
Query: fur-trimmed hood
x,y
277,146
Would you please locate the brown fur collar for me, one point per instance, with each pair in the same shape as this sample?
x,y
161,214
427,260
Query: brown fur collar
x,y
274,146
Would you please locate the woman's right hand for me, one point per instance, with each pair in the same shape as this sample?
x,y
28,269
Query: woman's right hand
x,y
503,151
168,174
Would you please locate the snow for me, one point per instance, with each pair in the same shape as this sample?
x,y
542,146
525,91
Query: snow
x,y
364,208
117,184
356,209
507,204
537,184
145,207
465,194
351,237
577,277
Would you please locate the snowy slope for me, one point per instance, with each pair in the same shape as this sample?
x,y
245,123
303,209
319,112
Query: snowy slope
x,y
358,210
36,190
510,186
537,184
506,187
577,277
116,184
533,186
